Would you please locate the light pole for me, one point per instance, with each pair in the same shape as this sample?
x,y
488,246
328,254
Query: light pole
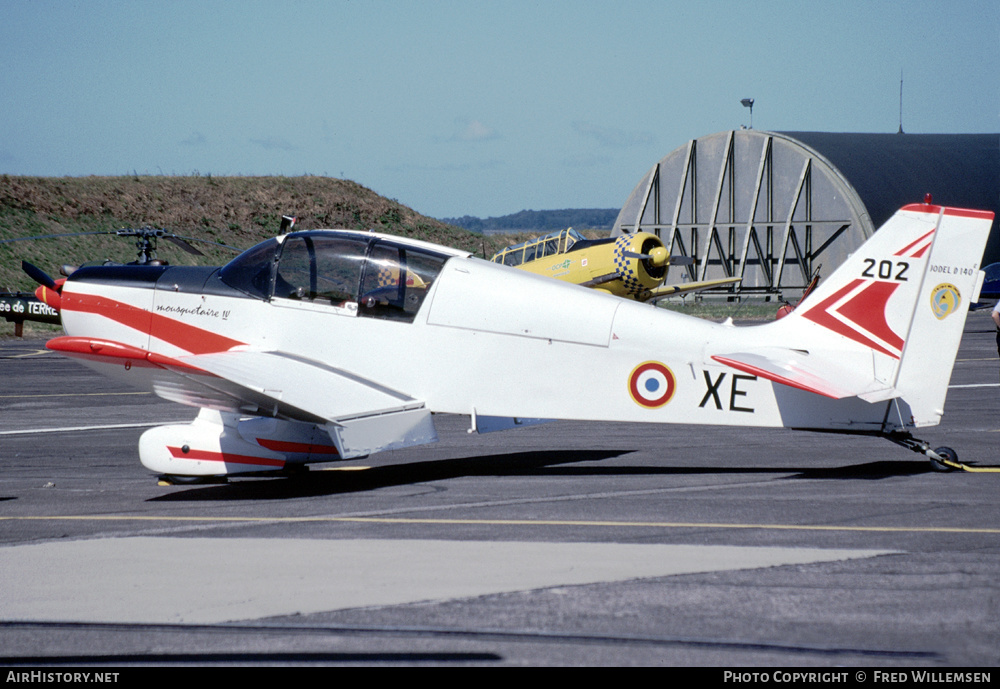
x,y
748,103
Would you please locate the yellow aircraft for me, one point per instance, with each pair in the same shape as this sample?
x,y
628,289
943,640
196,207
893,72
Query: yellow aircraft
x,y
633,266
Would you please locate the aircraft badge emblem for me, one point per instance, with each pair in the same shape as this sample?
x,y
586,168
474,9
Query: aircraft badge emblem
x,y
945,300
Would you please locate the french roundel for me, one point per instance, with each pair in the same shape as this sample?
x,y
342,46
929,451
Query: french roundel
x,y
651,384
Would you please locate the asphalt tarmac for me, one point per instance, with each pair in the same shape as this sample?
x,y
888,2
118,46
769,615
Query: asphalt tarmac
x,y
561,544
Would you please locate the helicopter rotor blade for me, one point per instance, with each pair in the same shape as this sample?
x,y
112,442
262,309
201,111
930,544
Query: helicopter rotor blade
x,y
205,241
152,233
53,236
145,243
182,244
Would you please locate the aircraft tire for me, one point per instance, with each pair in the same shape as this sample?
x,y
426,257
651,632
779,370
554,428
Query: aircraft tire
x,y
948,454
175,480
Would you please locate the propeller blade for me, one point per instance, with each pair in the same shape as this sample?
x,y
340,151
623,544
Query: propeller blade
x,y
38,275
658,256
674,260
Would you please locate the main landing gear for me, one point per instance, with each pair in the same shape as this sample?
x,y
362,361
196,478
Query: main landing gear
x,y
942,458
173,480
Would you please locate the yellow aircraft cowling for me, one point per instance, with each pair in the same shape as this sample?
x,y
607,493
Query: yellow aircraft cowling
x,y
641,262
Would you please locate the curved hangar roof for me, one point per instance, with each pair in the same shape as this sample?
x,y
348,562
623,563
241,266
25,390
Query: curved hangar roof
x,y
773,208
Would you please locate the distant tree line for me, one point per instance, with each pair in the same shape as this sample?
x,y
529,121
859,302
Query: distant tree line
x,y
540,221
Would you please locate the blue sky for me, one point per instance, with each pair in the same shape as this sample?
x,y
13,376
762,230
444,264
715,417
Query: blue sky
x,y
470,107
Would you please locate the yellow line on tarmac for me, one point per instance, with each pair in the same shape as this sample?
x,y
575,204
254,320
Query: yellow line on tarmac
x,y
34,352
515,522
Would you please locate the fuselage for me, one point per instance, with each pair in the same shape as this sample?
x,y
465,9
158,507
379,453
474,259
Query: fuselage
x,y
483,339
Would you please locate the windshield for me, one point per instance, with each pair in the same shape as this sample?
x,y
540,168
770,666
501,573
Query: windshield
x,y
320,268
250,272
374,275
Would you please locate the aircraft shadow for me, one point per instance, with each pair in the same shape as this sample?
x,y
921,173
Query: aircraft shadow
x,y
526,464
318,482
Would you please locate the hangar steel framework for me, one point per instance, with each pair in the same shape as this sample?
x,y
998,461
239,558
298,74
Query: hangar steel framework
x,y
756,205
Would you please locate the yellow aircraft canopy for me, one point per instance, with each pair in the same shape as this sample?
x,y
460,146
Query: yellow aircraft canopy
x,y
534,249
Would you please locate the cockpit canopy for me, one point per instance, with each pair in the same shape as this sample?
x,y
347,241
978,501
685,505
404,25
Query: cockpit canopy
x,y
533,249
373,274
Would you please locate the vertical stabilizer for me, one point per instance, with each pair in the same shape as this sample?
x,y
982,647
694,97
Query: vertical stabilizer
x,y
891,316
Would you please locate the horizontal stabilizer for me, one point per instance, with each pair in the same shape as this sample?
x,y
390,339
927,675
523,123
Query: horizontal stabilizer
x,y
795,368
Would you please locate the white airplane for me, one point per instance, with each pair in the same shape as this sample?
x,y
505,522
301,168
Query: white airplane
x,y
330,345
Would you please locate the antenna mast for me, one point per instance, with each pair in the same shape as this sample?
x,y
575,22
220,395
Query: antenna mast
x,y
900,102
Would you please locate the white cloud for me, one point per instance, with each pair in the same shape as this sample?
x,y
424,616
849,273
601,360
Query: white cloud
x,y
474,130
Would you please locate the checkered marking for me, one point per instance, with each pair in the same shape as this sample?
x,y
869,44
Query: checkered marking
x,y
626,266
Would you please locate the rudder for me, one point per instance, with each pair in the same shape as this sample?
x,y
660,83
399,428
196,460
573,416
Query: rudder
x,y
951,281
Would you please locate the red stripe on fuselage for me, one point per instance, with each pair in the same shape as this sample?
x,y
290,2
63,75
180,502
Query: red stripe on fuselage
x,y
187,337
302,448
120,312
226,457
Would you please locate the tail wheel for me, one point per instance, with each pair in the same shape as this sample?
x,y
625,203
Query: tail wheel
x,y
949,454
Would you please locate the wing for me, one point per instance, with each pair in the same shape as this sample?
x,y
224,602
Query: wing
x,y
673,290
360,415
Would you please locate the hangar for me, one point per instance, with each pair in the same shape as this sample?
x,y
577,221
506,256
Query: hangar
x,y
775,208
